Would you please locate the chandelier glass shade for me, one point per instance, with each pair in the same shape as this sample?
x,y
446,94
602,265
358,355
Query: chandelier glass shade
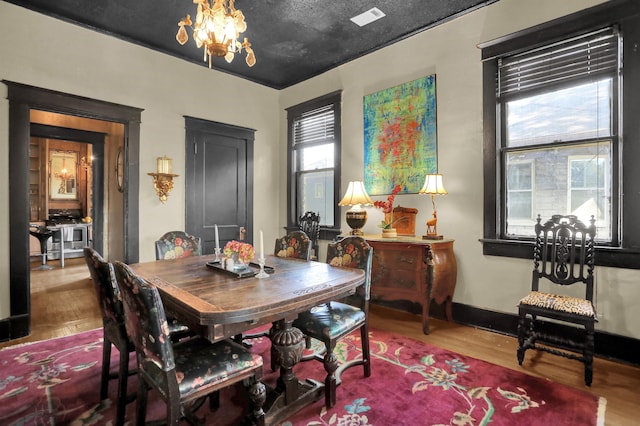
x,y
217,29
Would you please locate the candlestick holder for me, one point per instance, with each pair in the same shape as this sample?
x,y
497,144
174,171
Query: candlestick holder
x,y
217,252
262,273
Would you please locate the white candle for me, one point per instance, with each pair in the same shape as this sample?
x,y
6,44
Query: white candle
x,y
217,239
261,246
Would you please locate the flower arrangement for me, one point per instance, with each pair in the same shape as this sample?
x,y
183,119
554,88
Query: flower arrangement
x,y
387,208
245,251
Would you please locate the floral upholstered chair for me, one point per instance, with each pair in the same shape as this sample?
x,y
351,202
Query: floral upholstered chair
x,y
185,371
295,244
115,333
104,283
332,321
178,244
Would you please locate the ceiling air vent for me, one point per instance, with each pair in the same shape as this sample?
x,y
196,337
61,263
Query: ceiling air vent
x,y
368,17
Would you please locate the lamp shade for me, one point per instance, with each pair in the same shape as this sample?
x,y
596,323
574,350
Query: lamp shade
x,y
433,185
355,195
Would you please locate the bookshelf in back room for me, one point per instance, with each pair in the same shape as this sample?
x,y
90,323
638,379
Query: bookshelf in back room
x,y
60,207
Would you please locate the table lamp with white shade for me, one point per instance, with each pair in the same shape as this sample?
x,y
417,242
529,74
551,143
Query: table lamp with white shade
x,y
356,196
433,186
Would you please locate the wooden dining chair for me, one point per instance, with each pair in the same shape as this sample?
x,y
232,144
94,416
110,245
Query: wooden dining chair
x,y
114,332
309,223
178,244
332,321
186,371
295,245
563,256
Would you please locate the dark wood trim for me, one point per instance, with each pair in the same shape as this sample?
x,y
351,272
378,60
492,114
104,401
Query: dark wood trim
x,y
626,15
292,112
96,139
608,345
22,99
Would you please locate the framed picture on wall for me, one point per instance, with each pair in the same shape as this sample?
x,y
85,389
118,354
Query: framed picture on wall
x,y
63,175
400,137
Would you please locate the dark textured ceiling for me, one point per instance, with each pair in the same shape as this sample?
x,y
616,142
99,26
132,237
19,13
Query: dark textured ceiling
x,y
293,40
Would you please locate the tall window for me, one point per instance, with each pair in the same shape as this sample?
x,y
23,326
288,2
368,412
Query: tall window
x,y
557,104
556,114
314,152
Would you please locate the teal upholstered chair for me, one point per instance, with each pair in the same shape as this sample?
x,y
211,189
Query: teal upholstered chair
x,y
178,244
185,371
332,321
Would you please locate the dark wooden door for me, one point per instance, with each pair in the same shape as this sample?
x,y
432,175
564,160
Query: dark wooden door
x,y
219,181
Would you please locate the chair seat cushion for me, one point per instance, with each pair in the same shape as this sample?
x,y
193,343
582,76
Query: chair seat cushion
x,y
202,363
329,320
559,303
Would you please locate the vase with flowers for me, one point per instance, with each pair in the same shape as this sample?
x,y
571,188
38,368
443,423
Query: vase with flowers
x,y
240,252
388,231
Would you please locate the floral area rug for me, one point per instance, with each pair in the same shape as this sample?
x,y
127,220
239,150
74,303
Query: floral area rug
x,y
57,382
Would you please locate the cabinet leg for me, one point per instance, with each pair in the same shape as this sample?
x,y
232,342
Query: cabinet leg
x,y
425,317
447,309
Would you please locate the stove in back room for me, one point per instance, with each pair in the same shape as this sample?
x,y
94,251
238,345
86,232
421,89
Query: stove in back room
x,y
63,217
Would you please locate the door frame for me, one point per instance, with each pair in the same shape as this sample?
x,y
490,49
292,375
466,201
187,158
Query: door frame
x,y
22,99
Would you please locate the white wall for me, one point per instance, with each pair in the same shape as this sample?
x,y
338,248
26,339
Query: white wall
x,y
45,52
450,51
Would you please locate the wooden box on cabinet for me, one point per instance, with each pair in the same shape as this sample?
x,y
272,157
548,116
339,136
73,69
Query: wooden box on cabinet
x,y
414,270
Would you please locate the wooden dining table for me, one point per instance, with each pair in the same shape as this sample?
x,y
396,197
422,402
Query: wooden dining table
x,y
219,305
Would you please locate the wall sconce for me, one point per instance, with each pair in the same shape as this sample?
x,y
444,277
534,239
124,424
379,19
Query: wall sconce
x,y
163,178
356,215
433,186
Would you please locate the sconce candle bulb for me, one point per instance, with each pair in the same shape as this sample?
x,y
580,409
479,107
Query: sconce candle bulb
x,y
163,178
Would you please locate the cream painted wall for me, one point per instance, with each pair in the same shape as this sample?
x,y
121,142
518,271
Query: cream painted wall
x,y
45,52
450,51
48,53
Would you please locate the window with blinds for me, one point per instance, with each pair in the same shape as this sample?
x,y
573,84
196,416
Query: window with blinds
x,y
558,115
314,144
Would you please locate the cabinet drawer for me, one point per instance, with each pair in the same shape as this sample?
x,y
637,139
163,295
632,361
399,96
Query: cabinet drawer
x,y
391,278
399,258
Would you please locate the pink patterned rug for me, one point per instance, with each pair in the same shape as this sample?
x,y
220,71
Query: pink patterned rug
x,y
57,382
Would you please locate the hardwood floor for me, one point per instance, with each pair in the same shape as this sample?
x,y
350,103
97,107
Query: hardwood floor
x,y
63,302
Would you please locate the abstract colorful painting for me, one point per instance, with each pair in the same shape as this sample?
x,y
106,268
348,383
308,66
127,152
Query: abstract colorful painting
x,y
400,138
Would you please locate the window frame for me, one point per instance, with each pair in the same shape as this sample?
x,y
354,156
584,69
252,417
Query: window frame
x,y
327,232
624,14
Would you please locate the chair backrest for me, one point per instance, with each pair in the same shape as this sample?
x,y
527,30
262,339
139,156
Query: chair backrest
x,y
353,252
177,244
564,252
295,244
309,223
106,287
145,320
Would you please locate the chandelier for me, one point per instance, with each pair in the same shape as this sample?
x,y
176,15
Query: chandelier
x,y
216,30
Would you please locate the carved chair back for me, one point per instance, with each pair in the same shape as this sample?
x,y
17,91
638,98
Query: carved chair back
x,y
309,223
564,252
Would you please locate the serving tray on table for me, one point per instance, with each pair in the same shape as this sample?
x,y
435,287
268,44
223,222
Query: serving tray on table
x,y
251,270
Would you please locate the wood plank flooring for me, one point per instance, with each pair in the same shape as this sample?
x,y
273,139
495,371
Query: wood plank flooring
x,y
63,302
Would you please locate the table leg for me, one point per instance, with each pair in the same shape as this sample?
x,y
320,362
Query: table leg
x,y
290,394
